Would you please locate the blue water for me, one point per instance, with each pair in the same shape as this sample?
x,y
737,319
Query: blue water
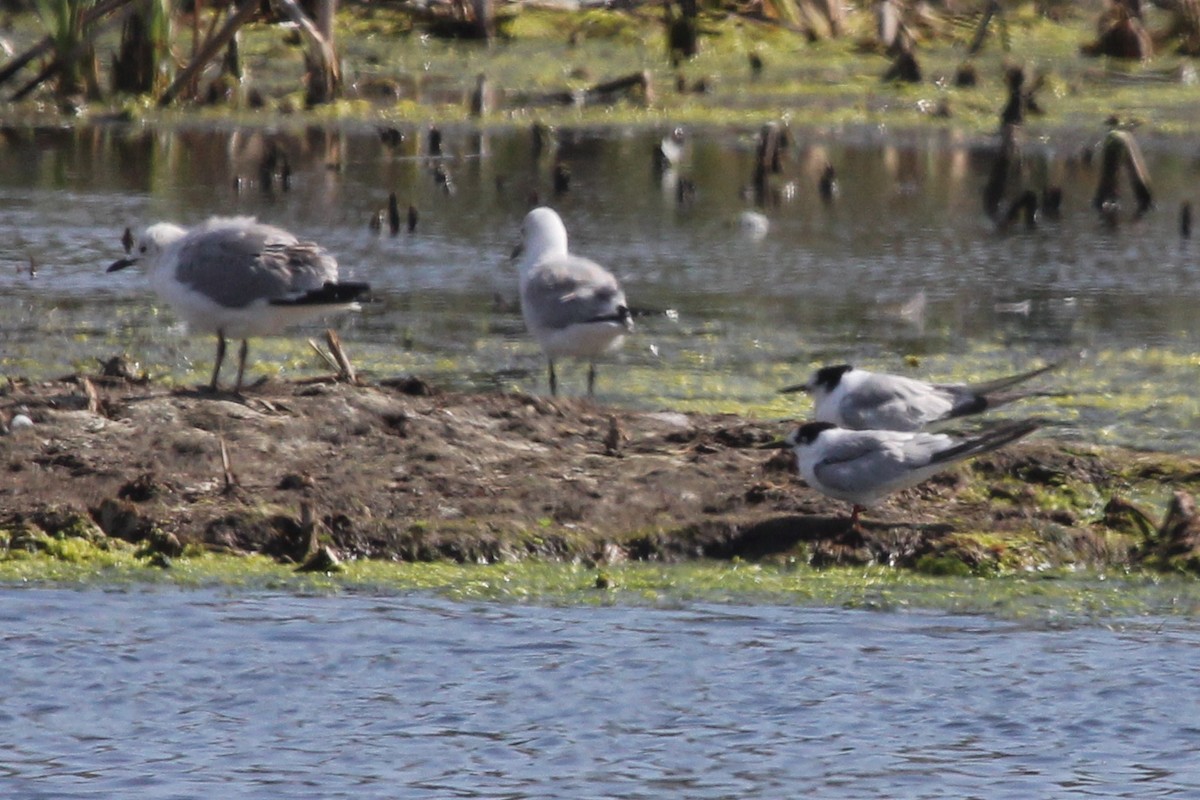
x,y
165,693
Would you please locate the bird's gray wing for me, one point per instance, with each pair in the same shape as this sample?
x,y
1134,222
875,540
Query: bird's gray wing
x,y
890,402
569,291
874,460
239,262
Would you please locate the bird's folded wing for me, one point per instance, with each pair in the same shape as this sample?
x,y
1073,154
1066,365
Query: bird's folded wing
x,y
559,297
855,465
893,405
238,265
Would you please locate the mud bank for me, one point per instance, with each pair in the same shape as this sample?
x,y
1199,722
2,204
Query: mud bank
x,y
404,472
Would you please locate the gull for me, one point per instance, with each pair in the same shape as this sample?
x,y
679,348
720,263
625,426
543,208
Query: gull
x,y
863,467
236,277
856,398
573,306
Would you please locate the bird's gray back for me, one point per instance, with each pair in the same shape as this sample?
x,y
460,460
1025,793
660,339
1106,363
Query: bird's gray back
x,y
561,292
239,263
888,402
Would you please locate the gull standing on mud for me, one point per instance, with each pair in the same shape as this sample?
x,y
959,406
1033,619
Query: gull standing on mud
x,y
573,306
236,277
864,467
862,400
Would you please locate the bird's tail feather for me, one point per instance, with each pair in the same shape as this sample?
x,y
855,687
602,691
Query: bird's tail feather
x,y
987,441
329,294
977,404
997,384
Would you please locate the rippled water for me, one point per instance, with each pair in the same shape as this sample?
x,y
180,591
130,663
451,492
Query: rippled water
x,y
163,693
903,263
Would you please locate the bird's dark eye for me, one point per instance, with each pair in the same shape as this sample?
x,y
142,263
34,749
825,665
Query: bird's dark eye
x,y
142,249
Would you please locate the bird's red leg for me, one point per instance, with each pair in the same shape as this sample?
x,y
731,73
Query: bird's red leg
x,y
854,532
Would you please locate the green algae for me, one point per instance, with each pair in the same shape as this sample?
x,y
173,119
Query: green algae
x,y
1086,595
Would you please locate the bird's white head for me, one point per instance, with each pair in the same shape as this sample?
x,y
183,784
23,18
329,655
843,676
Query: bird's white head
x,y
150,246
155,240
542,235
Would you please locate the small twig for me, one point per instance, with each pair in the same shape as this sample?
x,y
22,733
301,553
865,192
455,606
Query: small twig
x,y
46,44
993,8
47,71
345,368
308,529
614,437
333,365
245,11
230,479
93,398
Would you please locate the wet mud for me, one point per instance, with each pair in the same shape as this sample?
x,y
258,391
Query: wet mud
x,y
405,472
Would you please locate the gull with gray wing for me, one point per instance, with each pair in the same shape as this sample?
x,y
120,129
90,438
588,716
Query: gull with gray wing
x,y
573,306
236,277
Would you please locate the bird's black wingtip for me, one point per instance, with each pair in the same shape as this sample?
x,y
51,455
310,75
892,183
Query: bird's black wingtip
x,y
329,294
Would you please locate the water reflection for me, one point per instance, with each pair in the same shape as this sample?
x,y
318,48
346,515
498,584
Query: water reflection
x,y
903,262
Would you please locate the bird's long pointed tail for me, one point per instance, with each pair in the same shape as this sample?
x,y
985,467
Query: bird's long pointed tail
x,y
997,384
985,442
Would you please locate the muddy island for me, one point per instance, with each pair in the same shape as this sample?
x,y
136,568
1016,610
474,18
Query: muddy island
x,y
319,472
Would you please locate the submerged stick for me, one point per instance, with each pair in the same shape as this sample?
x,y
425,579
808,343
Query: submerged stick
x,y
1007,160
393,213
1120,148
600,92
637,80
1025,207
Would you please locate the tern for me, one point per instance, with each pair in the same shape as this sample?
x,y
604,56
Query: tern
x,y
856,398
864,467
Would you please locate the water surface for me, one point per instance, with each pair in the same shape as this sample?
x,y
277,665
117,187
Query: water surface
x,y
163,693
903,271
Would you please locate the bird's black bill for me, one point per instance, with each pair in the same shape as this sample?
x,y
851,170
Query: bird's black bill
x,y
121,263
669,313
799,387
621,315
